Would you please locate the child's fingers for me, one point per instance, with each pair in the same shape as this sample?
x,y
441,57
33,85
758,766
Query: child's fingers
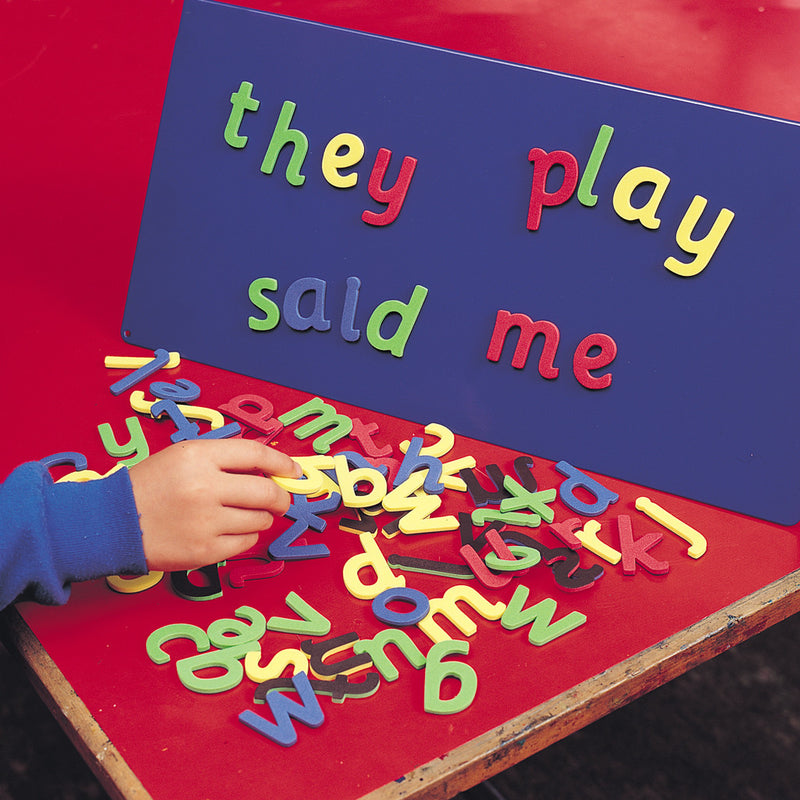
x,y
247,455
242,521
253,492
226,547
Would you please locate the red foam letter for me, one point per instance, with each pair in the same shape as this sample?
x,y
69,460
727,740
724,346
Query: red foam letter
x,y
393,197
542,164
582,362
528,329
260,418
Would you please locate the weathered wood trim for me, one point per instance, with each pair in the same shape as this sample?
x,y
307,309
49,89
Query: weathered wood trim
x,y
70,711
508,744
480,758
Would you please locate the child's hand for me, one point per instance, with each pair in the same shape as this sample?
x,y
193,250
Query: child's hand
x,y
204,501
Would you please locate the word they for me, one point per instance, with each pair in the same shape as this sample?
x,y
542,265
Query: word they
x,y
341,153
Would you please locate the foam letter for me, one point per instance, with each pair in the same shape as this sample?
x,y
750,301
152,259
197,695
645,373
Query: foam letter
x,y
582,362
371,557
628,183
327,418
242,633
528,330
394,197
305,516
182,391
140,583
413,461
188,590
177,630
333,160
315,481
136,447
311,622
419,507
260,419
523,500
543,629
575,479
655,512
542,164
703,248
446,605
228,659
375,649
241,102
317,652
419,602
307,711
436,671
566,532
347,327
297,659
160,359
291,305
283,135
480,496
408,313
634,551
588,538
598,153
481,570
256,295
348,479
363,434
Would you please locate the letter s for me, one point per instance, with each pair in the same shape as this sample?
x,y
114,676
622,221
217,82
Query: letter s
x,y
257,298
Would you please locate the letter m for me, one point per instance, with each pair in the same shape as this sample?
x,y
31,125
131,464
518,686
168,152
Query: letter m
x,y
528,330
327,417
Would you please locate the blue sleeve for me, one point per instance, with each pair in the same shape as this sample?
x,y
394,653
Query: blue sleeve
x,y
52,534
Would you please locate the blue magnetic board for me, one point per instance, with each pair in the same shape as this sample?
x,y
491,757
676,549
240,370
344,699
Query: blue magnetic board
x,y
361,218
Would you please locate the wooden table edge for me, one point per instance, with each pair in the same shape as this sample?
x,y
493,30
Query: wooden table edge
x,y
483,756
70,711
521,737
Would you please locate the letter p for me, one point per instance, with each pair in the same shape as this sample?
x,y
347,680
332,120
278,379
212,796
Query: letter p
x,y
542,164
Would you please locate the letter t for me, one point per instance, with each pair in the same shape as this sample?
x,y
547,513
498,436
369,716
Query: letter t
x,y
241,101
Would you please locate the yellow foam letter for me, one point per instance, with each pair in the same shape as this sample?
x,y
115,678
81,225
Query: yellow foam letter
x,y
348,478
371,557
703,248
628,183
588,538
695,538
297,659
446,605
333,161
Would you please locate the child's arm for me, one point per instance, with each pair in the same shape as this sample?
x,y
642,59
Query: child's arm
x,y
192,504
204,501
52,534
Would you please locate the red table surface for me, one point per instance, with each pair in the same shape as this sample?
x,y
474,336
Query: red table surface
x,y
82,85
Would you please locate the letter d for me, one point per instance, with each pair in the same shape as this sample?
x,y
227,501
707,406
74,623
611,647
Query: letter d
x,y
408,313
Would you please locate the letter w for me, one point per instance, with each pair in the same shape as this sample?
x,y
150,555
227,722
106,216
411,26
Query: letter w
x,y
543,629
308,711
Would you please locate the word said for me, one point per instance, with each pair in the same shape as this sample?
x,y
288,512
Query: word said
x,y
317,319
341,153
